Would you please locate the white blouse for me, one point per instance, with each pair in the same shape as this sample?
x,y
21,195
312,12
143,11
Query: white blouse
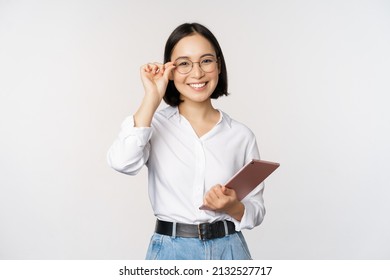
x,y
182,167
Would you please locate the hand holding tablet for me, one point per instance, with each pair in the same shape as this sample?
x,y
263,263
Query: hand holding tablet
x,y
249,177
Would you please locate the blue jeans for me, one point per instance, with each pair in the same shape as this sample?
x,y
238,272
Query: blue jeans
x,y
230,247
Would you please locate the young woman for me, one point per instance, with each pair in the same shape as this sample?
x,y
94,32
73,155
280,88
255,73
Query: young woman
x,y
190,149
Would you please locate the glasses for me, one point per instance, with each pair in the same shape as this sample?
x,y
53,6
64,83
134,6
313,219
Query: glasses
x,y
207,64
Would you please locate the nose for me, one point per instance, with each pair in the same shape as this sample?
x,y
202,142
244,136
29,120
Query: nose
x,y
196,71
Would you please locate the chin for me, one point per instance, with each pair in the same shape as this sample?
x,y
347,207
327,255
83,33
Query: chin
x,y
200,98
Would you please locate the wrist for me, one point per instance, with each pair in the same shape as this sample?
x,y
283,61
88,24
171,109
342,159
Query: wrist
x,y
151,100
144,115
236,211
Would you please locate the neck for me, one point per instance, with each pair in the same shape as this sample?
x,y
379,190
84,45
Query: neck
x,y
197,111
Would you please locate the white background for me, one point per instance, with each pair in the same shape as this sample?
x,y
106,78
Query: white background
x,y
310,78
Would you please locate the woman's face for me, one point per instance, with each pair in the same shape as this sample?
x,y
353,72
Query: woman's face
x,y
197,85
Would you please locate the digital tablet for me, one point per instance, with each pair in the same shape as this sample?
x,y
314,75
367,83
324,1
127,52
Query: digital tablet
x,y
249,177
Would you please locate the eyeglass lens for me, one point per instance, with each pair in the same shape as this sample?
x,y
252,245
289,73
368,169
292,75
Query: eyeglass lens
x,y
184,66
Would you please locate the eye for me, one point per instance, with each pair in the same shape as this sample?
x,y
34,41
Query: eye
x,y
183,63
207,61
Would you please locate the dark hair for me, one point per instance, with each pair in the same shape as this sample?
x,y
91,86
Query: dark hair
x,y
172,95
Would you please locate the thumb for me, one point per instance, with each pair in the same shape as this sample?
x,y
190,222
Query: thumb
x,y
168,70
228,191
225,190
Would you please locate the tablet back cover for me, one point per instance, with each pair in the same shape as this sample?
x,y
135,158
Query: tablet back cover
x,y
250,176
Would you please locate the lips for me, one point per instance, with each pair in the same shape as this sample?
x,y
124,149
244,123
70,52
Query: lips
x,y
197,85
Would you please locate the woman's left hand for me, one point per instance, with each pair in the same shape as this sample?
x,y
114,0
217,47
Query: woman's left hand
x,y
222,199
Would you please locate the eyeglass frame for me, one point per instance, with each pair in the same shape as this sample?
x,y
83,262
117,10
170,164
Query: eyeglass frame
x,y
216,60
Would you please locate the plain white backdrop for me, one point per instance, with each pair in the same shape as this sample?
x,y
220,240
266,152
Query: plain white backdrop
x,y
310,78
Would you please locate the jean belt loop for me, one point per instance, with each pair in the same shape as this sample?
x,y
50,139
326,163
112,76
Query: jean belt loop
x,y
226,227
174,230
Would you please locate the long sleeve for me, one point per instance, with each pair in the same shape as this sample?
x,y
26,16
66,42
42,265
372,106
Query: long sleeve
x,y
254,202
130,150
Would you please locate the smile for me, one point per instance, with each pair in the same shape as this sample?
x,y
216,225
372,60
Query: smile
x,y
197,85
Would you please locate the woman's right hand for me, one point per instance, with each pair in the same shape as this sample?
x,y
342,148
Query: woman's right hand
x,y
155,78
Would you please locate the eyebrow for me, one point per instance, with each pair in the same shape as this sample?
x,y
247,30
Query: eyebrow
x,y
187,57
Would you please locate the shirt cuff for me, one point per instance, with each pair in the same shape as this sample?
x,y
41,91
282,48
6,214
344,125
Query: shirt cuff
x,y
252,217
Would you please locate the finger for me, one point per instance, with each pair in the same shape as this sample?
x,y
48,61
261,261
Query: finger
x,y
167,70
146,68
212,195
219,191
226,191
230,193
209,202
213,202
169,64
149,67
153,68
168,67
159,67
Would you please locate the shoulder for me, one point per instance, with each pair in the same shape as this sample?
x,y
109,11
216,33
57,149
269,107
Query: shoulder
x,y
237,126
165,114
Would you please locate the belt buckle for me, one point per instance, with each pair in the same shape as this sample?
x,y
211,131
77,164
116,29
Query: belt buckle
x,y
204,231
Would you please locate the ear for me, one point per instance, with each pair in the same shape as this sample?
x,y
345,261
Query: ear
x,y
219,66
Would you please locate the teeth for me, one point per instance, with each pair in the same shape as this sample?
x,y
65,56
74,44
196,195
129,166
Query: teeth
x,y
198,85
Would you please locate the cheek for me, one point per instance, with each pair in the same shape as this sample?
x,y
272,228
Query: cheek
x,y
216,79
179,85
178,80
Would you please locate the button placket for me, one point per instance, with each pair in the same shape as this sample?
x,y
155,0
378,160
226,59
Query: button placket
x,y
200,166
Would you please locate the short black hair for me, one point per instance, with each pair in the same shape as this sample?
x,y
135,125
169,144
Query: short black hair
x,y
172,95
